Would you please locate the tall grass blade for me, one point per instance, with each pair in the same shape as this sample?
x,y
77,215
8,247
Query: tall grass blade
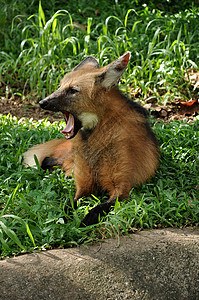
x,y
12,235
42,21
10,199
24,223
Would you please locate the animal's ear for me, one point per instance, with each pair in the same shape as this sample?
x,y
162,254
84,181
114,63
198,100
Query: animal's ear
x,y
88,61
112,73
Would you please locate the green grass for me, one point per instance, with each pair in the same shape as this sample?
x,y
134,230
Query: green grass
x,y
39,43
32,201
42,42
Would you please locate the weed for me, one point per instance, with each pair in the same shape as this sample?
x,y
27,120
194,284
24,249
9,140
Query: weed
x,y
42,46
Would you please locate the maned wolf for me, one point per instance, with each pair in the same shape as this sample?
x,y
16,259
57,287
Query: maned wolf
x,y
108,143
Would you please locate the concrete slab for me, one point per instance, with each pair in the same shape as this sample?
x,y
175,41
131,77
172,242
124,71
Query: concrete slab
x,y
154,264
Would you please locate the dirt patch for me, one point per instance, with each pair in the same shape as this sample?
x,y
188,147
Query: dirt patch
x,y
156,264
19,108
11,102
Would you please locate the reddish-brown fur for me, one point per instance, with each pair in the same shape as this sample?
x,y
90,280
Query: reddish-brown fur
x,y
120,150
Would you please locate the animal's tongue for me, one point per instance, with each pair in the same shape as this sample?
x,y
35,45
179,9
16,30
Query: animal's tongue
x,y
69,129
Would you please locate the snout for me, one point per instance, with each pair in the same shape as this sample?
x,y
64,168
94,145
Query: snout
x,y
43,103
52,102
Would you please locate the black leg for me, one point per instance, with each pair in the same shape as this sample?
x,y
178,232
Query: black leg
x,y
93,216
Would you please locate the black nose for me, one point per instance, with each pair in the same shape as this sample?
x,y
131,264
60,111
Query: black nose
x,y
43,103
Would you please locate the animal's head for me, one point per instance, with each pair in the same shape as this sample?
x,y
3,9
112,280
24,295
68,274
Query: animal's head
x,y
78,94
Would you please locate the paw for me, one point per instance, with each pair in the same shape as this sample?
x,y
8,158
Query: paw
x,y
93,216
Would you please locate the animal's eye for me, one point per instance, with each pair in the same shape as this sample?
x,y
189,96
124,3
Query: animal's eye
x,y
73,90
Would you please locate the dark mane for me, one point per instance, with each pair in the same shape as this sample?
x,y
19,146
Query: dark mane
x,y
140,109
136,106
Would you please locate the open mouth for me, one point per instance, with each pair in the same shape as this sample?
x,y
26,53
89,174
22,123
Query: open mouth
x,y
69,130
